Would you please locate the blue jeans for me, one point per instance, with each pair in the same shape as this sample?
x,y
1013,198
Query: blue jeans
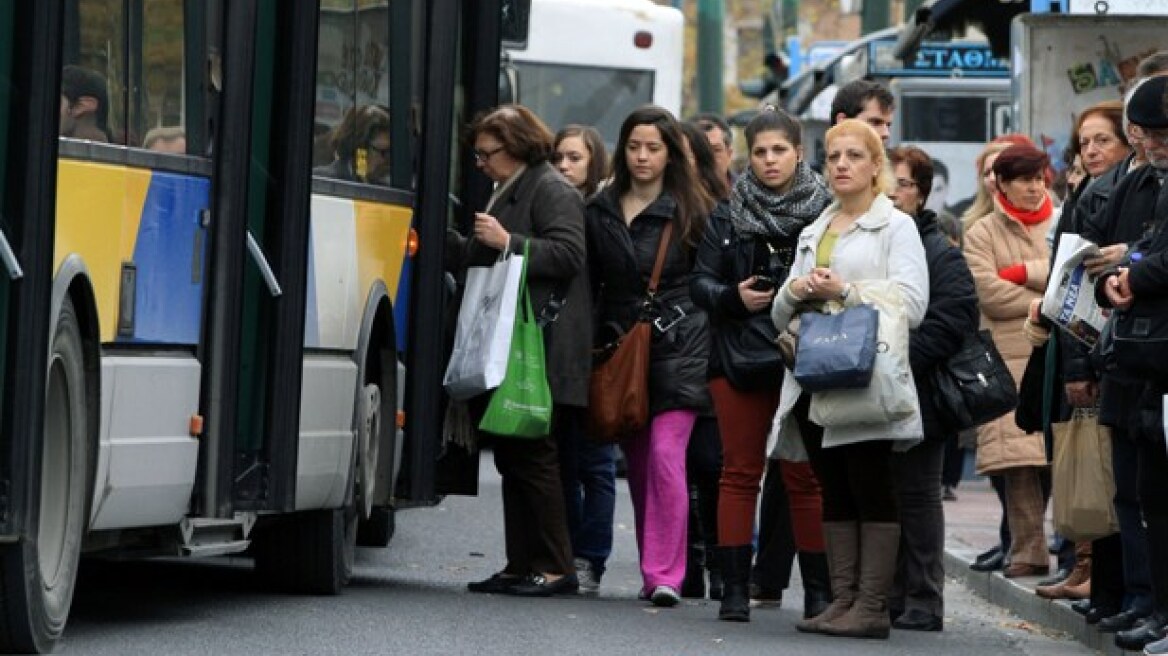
x,y
588,474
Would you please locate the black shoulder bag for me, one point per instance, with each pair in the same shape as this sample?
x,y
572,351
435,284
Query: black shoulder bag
x,y
974,386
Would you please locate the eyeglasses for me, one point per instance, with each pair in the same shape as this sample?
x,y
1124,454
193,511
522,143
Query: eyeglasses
x,y
902,183
484,155
384,152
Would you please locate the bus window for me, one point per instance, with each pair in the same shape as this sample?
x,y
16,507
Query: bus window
x,y
352,126
960,119
602,97
93,82
156,100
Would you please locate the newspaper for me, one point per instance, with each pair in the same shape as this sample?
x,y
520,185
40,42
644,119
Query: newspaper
x,y
1069,301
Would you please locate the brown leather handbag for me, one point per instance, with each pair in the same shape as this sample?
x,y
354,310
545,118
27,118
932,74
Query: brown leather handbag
x,y
618,393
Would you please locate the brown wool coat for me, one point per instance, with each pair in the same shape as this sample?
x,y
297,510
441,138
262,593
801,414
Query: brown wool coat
x,y
993,243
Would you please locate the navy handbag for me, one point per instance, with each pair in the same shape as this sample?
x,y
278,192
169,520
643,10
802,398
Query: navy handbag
x,y
837,351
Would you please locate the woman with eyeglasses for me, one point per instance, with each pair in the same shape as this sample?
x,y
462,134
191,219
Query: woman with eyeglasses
x,y
1070,379
654,186
587,466
917,600
859,248
534,206
360,146
744,255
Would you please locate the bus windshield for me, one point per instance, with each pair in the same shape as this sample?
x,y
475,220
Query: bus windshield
x,y
592,95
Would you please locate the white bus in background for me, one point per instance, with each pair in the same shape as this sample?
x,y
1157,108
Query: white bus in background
x,y
594,61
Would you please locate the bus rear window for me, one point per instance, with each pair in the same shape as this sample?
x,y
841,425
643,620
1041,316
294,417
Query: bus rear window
x,y
950,119
601,97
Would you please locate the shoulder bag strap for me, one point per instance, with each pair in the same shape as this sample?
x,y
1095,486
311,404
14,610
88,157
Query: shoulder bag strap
x,y
659,264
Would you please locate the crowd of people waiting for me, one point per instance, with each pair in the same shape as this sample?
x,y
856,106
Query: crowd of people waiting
x,y
858,506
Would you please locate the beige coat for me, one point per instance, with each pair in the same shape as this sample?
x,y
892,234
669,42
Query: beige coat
x,y
994,243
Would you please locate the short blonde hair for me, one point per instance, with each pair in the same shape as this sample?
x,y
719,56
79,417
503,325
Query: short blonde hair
x,y
885,181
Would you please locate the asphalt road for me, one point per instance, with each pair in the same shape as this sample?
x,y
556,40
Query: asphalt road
x,y
411,599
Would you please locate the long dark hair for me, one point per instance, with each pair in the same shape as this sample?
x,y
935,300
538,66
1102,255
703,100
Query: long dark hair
x,y
597,155
680,181
699,144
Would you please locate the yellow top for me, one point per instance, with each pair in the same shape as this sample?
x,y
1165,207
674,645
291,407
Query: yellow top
x,y
826,246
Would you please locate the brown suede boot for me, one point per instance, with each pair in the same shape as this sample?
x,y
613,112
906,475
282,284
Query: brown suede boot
x,y
843,558
868,616
1078,584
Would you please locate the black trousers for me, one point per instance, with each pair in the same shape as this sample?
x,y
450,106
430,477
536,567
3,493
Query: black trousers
x,y
856,479
535,521
703,468
776,538
1153,470
920,569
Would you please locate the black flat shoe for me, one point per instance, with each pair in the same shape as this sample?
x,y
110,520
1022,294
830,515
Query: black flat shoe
x,y
991,564
1121,621
989,553
537,585
1060,575
496,584
1151,629
917,620
1097,613
1082,606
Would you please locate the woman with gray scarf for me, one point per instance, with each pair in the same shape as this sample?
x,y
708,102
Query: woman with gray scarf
x,y
740,263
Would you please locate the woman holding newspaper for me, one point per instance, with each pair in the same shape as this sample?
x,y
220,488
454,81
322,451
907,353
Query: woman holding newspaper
x,y
1010,260
533,203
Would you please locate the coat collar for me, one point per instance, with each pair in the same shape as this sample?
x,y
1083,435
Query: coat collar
x,y
877,217
608,201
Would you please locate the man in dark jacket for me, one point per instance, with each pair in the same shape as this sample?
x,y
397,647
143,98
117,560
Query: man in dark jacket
x,y
1140,287
952,312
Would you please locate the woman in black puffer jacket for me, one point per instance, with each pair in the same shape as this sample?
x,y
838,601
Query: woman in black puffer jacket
x,y
653,186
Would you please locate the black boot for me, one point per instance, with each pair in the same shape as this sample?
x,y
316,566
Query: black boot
x,y
735,575
1155,627
816,584
717,586
693,586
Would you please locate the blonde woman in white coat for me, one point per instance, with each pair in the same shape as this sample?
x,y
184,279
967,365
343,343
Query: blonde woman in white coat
x,y
861,242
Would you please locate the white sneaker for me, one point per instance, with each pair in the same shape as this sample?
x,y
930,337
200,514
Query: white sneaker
x,y
665,596
589,581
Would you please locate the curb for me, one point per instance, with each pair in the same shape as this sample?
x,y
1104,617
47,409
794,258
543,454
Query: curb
x,y
1021,600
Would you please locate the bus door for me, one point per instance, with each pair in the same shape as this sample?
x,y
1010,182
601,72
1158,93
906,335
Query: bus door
x,y
30,37
262,63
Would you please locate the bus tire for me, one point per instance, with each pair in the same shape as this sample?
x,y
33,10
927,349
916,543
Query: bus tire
x,y
39,572
309,552
378,530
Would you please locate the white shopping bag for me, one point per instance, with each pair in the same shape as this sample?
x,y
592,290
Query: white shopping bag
x,y
486,318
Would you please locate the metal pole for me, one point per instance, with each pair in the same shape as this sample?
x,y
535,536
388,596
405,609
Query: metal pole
x,y
709,78
874,16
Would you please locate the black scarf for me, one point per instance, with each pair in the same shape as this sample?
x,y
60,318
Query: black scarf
x,y
757,210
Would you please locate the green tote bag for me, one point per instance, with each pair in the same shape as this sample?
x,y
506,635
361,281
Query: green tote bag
x,y
522,405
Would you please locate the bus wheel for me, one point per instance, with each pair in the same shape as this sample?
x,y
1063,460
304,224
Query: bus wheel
x,y
368,443
39,572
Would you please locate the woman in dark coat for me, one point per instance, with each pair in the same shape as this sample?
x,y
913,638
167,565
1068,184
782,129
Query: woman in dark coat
x,y
917,600
744,255
653,185
534,204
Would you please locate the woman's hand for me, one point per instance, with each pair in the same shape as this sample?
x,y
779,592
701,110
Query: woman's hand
x,y
822,284
1108,256
490,232
754,300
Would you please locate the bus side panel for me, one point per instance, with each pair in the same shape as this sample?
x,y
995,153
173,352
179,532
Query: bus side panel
x,y
146,457
354,245
99,209
110,215
171,259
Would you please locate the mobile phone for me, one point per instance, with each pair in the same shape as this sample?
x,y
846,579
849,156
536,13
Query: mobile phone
x,y
763,284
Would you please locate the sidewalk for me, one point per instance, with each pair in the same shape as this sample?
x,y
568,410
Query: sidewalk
x,y
971,527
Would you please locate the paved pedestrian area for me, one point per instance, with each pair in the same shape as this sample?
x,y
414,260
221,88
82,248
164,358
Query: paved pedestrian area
x,y
971,527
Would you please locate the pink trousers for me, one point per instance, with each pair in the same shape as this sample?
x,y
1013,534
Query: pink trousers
x,y
656,474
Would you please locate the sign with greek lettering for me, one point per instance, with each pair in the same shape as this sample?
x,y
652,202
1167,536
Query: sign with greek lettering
x,y
938,60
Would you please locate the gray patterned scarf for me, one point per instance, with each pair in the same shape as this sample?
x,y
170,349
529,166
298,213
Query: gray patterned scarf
x,y
758,210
